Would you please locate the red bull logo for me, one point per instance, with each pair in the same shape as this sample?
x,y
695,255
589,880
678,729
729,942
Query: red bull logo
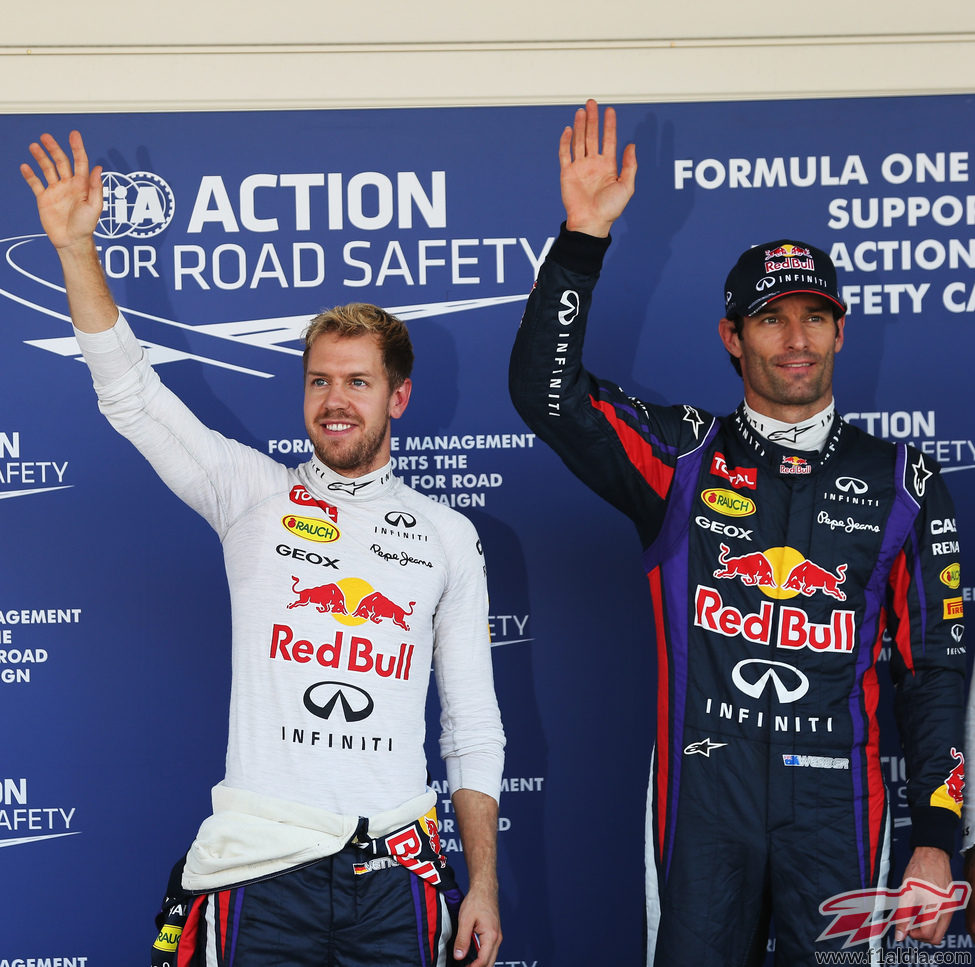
x,y
793,466
795,630
357,655
955,782
365,602
785,257
951,576
753,568
738,477
781,572
807,578
433,831
787,251
406,847
311,528
377,607
950,794
727,502
300,496
327,598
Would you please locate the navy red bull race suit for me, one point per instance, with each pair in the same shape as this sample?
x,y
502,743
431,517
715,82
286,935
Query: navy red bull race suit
x,y
773,574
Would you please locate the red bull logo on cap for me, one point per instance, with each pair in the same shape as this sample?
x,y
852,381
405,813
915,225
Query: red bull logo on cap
x,y
788,256
727,502
787,251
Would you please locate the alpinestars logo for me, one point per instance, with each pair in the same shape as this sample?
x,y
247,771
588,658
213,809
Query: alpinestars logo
x,y
864,915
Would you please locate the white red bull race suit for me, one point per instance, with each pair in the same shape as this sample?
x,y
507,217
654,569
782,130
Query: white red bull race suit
x,y
344,593
773,575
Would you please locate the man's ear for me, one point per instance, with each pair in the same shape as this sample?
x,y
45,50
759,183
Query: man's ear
x,y
729,336
399,398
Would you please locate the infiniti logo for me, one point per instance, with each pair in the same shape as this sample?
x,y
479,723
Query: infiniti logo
x,y
957,632
321,698
399,518
765,283
570,299
846,484
790,684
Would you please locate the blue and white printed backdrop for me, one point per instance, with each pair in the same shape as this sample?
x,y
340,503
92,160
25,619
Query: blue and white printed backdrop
x,y
222,235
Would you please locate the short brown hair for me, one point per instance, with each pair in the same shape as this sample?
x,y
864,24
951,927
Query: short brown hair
x,y
360,319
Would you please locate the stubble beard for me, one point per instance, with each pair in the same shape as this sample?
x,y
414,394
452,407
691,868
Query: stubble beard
x,y
351,459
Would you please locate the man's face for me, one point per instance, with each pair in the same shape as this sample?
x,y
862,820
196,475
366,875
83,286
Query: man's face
x,y
786,352
348,403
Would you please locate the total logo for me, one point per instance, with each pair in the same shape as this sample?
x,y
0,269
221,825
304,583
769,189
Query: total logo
x,y
139,204
738,477
351,601
781,572
300,496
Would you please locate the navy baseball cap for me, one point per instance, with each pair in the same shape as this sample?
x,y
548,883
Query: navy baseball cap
x,y
774,269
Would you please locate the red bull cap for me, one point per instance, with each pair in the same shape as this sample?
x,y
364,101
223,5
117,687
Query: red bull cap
x,y
775,269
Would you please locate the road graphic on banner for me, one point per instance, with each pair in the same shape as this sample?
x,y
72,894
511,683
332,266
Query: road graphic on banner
x,y
275,333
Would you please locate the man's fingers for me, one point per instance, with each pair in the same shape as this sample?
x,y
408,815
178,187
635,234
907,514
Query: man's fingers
x,y
628,171
95,186
592,128
565,147
80,155
579,134
43,161
31,178
609,133
60,159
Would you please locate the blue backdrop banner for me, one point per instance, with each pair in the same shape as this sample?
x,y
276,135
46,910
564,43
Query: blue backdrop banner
x,y
222,234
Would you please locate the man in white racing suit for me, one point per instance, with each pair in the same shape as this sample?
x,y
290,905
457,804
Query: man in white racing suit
x,y
346,587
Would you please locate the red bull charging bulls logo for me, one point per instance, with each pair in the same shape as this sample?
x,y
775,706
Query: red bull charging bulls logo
x,y
335,598
753,568
781,572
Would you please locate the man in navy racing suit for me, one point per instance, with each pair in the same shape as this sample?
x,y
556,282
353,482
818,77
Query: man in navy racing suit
x,y
779,543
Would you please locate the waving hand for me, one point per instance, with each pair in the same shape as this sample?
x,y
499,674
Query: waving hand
x,y
594,190
70,202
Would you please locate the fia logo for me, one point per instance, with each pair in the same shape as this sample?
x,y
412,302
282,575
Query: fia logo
x,y
139,204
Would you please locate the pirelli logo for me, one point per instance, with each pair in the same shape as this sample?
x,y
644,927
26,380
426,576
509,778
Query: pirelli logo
x,y
953,608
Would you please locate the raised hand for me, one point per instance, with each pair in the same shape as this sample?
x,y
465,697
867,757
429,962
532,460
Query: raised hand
x,y
594,190
70,202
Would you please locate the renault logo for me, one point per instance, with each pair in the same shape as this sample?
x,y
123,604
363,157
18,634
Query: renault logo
x,y
753,675
322,697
